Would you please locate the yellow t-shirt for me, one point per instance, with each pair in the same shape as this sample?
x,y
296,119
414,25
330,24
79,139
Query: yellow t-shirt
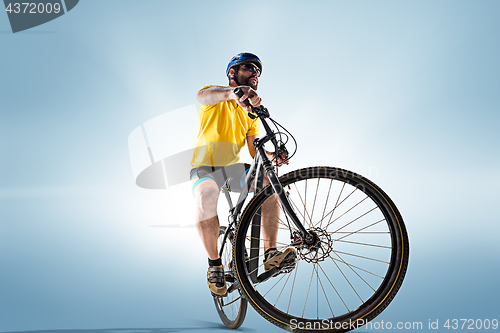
x,y
223,129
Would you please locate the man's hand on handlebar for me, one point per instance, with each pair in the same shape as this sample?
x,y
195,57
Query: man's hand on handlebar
x,y
252,96
280,160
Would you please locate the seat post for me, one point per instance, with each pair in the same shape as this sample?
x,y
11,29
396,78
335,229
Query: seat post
x,y
225,189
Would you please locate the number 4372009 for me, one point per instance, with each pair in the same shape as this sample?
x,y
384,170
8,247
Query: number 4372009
x,y
33,8
471,324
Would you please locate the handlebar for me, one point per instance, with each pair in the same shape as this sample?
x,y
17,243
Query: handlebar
x,y
262,113
240,93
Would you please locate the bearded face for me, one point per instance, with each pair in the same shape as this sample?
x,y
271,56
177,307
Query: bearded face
x,y
247,77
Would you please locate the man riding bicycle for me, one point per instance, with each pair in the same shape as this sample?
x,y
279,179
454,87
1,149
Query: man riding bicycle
x,y
224,128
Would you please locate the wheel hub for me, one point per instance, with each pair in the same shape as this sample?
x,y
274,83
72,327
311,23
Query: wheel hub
x,y
319,248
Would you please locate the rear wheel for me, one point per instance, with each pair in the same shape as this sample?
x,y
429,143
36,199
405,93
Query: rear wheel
x,y
232,308
352,270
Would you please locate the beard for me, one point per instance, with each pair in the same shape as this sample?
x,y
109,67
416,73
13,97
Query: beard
x,y
250,83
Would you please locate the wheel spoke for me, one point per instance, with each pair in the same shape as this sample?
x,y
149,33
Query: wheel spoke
x,y
364,270
349,282
305,208
354,255
305,203
284,226
248,238
236,299
297,208
363,232
339,203
308,289
342,260
317,293
277,217
324,293
334,288
275,286
326,202
348,212
366,244
286,282
357,231
314,202
293,285
357,218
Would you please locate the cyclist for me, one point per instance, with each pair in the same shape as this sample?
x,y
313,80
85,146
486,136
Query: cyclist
x,y
224,128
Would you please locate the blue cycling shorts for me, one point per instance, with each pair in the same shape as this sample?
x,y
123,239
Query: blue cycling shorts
x,y
237,172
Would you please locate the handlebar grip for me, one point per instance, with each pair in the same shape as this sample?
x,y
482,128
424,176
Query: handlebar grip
x,y
240,93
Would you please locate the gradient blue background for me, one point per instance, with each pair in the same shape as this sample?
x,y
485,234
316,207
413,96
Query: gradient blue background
x,y
405,92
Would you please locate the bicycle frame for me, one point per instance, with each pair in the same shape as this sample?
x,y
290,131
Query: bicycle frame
x,y
381,270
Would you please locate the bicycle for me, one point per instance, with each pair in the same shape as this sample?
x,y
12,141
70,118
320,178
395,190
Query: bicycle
x,y
350,240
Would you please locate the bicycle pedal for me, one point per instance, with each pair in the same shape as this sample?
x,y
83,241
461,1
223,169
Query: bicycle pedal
x,y
232,287
267,275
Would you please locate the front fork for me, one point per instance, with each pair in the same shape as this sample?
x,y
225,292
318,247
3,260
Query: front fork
x,y
280,192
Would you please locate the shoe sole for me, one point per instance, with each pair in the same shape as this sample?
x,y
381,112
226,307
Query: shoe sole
x,y
280,259
215,295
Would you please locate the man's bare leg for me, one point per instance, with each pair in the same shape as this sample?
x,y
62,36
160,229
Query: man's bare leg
x,y
270,218
209,231
270,222
207,222
270,226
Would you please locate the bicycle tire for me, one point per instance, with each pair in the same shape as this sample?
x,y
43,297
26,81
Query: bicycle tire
x,y
385,270
232,308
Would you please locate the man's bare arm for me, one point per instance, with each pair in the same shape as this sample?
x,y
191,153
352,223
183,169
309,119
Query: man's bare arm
x,y
251,148
215,94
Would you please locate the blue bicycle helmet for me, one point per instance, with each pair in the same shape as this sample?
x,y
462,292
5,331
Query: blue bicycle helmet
x,y
244,58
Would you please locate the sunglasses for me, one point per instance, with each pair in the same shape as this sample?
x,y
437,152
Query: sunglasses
x,y
252,68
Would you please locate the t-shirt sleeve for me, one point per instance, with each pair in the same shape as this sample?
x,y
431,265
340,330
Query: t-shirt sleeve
x,y
254,128
205,87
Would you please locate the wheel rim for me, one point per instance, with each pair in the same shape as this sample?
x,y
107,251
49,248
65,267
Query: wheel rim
x,y
228,307
353,263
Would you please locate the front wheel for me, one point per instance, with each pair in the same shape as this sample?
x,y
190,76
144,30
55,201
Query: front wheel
x,y
351,270
232,308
